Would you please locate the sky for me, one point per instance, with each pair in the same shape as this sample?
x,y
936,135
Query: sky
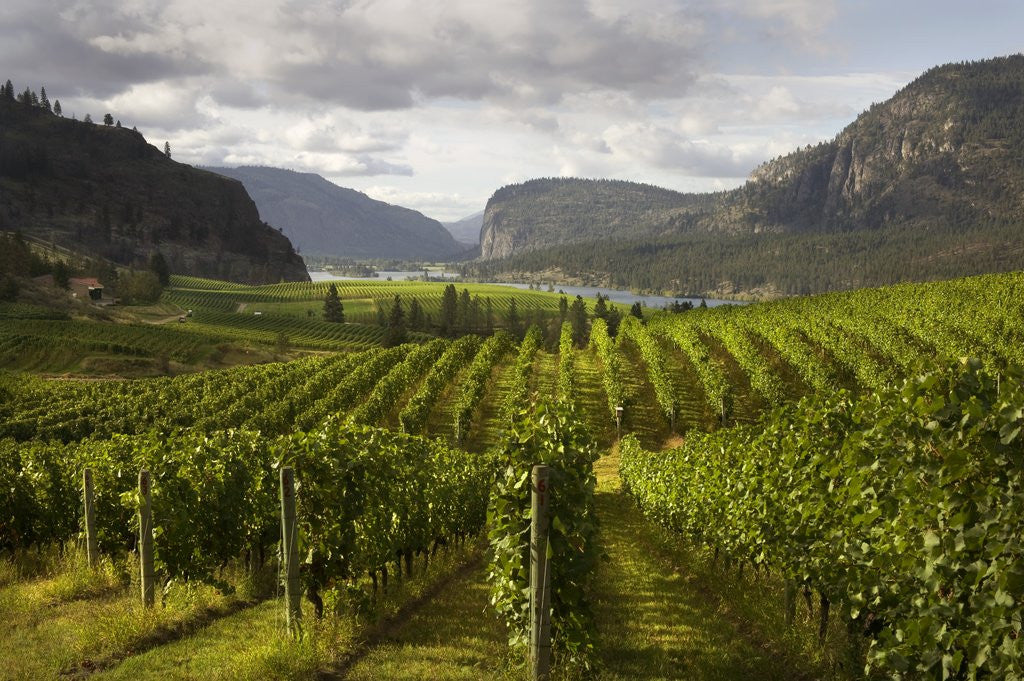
x,y
435,104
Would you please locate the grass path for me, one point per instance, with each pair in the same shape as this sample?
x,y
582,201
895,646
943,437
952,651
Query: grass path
x,y
655,621
487,425
455,637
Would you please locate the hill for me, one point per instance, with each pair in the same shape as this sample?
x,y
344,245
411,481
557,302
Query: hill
x,y
466,230
922,186
104,191
324,219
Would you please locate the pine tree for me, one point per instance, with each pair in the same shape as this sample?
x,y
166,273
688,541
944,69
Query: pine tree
x,y
118,124
703,303
44,100
613,319
578,319
167,149
515,326
56,108
563,309
464,314
488,316
87,119
637,310
395,332
158,264
449,310
8,90
108,119
601,308
416,322
334,311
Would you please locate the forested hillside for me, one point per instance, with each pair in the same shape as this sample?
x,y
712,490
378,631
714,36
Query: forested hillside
x,y
926,185
102,190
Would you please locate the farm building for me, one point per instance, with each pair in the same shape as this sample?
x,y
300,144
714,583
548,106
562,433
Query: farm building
x,y
86,289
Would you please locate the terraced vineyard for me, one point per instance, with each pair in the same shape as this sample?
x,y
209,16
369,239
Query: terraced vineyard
x,y
696,371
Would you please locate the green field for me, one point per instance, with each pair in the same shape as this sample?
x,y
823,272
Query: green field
x,y
712,601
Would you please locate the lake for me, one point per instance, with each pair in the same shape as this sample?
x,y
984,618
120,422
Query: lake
x,y
589,292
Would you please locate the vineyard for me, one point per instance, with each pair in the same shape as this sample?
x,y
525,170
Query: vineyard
x,y
783,437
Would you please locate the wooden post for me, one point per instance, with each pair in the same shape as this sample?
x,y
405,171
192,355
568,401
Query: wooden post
x,y
618,422
146,538
91,547
290,550
540,575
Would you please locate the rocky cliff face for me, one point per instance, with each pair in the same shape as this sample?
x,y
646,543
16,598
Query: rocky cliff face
x,y
946,150
104,191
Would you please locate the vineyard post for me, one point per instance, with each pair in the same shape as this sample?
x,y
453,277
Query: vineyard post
x,y
290,549
91,548
540,575
146,538
618,421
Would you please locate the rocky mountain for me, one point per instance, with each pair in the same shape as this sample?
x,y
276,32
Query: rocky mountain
x,y
467,230
940,161
104,191
323,219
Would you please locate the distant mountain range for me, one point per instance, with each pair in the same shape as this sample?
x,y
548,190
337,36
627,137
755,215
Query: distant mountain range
x,y
323,219
103,191
467,230
929,184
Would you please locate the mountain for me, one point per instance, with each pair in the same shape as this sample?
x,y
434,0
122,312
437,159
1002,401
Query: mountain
x,y
926,185
323,219
467,230
104,191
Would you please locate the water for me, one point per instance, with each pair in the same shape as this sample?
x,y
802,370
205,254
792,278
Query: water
x,y
588,292
618,296
383,275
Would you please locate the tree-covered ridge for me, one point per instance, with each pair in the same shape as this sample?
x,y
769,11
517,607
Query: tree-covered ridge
x,y
937,169
105,192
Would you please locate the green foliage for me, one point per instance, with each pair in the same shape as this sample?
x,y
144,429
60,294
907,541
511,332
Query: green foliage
x,y
139,287
551,435
334,310
472,387
413,416
517,393
904,507
370,497
654,359
611,365
566,364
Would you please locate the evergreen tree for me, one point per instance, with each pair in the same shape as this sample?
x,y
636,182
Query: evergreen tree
x,y
395,332
56,108
464,315
563,309
44,100
167,149
8,90
703,303
158,264
416,321
613,319
488,316
334,311
601,308
515,325
108,119
118,124
87,119
578,319
637,310
449,310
